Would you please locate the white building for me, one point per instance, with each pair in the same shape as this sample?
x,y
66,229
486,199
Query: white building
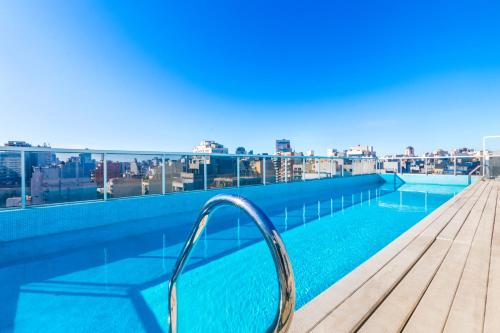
x,y
210,147
361,151
331,152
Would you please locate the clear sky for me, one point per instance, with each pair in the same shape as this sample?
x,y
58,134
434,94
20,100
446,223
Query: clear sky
x,y
162,75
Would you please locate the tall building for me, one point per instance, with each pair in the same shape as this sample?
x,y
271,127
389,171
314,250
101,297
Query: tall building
x,y
409,151
283,167
283,146
10,168
240,151
50,184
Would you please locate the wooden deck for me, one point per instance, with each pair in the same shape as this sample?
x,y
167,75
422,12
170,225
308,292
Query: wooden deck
x,y
441,275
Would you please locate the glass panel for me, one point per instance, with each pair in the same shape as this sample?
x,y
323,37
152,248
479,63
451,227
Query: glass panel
x,y
221,172
184,173
310,169
347,167
467,165
365,166
250,171
10,179
297,169
133,175
337,168
326,168
61,177
269,164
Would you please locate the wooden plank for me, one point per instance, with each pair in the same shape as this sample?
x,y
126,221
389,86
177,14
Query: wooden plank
x,y
431,312
393,313
468,307
354,310
454,226
492,317
320,307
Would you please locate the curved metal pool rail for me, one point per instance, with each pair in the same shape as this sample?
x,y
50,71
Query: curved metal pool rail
x,y
280,256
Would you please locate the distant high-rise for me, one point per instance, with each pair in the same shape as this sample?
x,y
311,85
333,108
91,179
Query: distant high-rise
x,y
240,151
17,144
283,146
409,151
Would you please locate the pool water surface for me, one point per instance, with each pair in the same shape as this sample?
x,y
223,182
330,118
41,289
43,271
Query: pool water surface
x,y
230,282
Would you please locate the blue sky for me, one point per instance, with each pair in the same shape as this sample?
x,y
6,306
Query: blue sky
x,y
162,75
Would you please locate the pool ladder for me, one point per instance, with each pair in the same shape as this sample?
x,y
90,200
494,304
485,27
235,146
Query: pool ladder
x,y
280,256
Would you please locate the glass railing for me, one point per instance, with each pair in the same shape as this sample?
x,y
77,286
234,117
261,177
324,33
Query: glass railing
x,y
430,165
32,176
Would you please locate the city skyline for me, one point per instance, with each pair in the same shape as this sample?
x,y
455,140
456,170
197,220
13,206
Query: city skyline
x,y
134,77
283,145
52,177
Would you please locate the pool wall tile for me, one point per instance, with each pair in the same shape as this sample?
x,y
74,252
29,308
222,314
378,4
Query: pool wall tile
x,y
43,220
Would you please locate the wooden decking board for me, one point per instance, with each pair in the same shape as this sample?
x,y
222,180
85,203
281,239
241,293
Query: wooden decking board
x,y
468,307
492,317
318,309
392,314
354,310
454,225
431,312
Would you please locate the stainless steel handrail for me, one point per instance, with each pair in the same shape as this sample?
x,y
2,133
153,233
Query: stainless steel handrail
x,y
469,176
281,259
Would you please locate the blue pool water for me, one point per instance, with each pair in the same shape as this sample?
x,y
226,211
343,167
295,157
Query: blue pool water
x,y
230,283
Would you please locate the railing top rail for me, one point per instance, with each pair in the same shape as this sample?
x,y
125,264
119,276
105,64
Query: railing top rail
x,y
429,157
161,153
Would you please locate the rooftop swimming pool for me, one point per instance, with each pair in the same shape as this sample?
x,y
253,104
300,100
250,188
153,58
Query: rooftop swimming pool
x,y
229,284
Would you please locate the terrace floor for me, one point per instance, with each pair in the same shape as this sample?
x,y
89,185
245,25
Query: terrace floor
x,y
441,275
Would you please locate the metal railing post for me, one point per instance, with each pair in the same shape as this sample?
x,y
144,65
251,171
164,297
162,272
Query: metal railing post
x,y
425,165
23,179
318,166
455,166
342,169
105,175
484,157
205,173
237,172
163,178
286,170
303,169
331,168
264,170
